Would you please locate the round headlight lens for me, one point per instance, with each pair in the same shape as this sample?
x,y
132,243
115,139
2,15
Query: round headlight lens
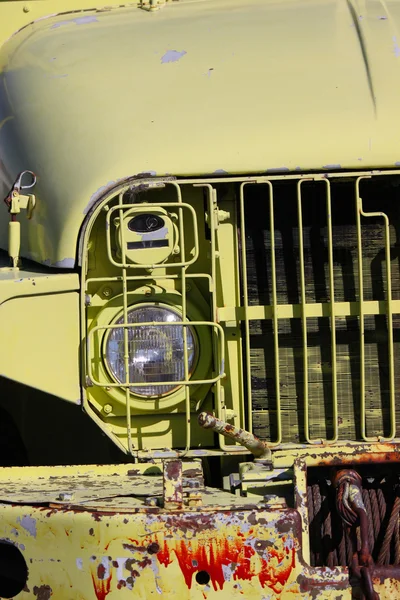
x,y
156,353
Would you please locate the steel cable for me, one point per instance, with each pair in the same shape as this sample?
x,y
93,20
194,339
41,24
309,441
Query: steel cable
x,y
330,542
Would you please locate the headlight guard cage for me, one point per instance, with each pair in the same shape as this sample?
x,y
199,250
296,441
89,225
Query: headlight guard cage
x,y
125,273
95,342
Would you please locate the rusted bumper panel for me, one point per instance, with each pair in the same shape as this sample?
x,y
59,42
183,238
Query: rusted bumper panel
x,y
197,553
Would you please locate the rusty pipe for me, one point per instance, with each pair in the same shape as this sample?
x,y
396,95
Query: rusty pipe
x,y
258,448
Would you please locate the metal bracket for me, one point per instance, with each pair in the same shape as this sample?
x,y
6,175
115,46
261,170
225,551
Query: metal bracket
x,y
173,488
257,447
182,487
20,202
255,478
15,202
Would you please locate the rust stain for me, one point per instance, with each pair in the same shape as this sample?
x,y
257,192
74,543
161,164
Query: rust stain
x,y
102,587
101,571
43,592
134,547
96,516
134,472
189,473
173,469
191,522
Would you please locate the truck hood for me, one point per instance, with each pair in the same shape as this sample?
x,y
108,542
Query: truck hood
x,y
215,86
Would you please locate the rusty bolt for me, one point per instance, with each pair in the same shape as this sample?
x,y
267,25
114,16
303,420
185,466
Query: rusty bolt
x,y
107,409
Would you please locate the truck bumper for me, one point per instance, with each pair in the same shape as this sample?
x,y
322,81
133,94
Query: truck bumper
x,y
201,553
96,532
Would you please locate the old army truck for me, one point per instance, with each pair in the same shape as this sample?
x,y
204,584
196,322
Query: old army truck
x,y
200,299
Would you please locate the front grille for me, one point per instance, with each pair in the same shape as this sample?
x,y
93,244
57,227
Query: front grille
x,y
325,353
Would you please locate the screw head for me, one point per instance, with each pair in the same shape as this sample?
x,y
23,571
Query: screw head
x,y
107,292
107,409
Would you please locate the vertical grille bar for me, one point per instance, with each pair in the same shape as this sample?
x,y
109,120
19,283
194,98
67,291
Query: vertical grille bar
x,y
335,433
389,313
126,333
303,312
275,316
246,310
361,310
184,317
212,204
219,389
303,305
274,311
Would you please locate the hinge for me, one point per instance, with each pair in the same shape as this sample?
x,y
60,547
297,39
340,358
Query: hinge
x,y
20,202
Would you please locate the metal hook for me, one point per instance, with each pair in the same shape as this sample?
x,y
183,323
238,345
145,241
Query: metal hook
x,y
18,182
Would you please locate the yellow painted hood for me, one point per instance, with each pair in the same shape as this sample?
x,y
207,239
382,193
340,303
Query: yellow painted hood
x,y
213,86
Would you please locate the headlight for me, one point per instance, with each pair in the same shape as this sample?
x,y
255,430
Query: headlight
x,y
156,353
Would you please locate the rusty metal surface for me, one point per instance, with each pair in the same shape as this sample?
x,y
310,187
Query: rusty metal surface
x,y
351,507
88,555
173,488
98,546
373,581
202,551
258,448
338,454
85,485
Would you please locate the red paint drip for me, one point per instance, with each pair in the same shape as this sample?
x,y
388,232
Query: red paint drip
x,y
276,576
102,587
244,561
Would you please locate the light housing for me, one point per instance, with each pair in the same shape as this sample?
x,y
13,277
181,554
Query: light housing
x,y
156,352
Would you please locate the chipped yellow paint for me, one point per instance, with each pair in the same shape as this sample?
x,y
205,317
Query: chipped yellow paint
x,y
95,542
245,553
